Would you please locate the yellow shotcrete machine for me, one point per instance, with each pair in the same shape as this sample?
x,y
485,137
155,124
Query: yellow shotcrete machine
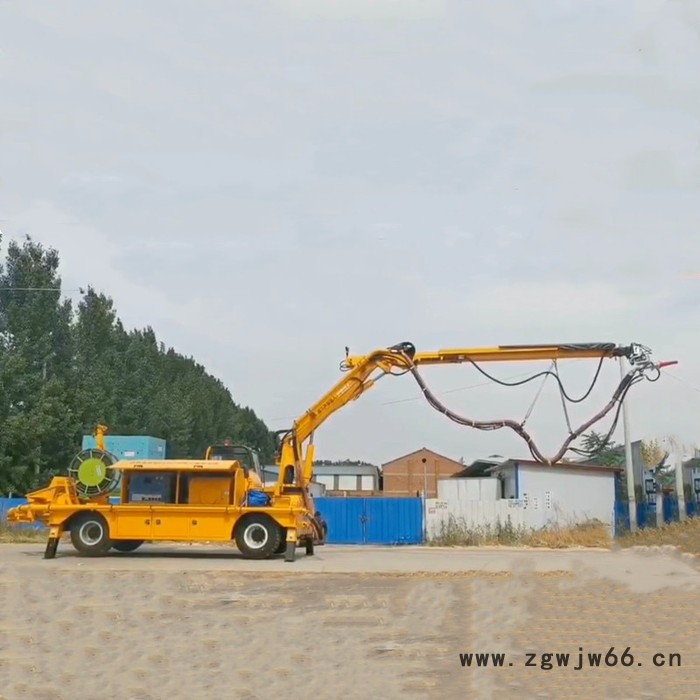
x,y
221,498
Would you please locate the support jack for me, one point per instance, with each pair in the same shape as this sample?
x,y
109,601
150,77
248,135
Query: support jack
x,y
51,547
290,552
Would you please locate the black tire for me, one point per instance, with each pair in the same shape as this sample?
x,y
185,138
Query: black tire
x,y
126,545
283,544
258,536
89,534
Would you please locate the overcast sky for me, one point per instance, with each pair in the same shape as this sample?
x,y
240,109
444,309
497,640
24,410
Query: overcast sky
x,y
265,183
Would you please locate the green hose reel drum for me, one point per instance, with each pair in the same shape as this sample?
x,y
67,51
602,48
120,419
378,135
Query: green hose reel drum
x,y
92,472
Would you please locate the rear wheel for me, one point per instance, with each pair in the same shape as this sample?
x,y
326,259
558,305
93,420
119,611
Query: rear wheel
x,y
258,536
89,534
126,545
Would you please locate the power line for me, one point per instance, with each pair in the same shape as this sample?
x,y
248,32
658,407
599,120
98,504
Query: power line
x,y
471,386
37,289
453,391
682,381
447,391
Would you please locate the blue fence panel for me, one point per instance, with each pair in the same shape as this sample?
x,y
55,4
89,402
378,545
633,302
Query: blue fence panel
x,y
646,513
622,517
394,520
357,520
345,518
7,503
670,509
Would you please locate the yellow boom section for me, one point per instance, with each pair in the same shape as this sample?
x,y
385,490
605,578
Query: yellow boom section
x,y
506,353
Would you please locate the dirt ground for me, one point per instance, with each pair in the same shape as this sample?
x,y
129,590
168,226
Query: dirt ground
x,y
170,622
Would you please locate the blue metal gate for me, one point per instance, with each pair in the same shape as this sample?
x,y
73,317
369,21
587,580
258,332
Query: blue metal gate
x,y
372,520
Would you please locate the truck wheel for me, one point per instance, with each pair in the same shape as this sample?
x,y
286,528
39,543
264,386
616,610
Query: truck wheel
x,y
126,545
258,536
89,534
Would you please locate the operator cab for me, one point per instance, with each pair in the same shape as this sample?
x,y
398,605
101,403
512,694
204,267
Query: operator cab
x,y
227,451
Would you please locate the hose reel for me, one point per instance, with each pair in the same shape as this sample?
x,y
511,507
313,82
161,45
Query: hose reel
x,y
91,469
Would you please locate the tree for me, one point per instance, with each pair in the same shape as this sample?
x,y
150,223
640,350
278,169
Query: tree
x,y
38,419
62,371
337,462
99,361
596,448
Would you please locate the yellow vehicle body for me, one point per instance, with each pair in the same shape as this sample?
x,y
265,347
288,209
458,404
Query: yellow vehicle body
x,y
173,500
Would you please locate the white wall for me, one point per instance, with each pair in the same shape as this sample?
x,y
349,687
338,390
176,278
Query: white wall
x,y
347,482
487,489
317,490
476,514
328,481
555,497
569,495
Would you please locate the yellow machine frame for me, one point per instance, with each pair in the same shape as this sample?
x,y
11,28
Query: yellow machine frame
x,y
289,520
197,511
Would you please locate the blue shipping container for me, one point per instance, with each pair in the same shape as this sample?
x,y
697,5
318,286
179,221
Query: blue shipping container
x,y
130,447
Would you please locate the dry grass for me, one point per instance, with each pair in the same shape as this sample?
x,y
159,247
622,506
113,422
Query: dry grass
x,y
685,536
16,535
593,534
458,534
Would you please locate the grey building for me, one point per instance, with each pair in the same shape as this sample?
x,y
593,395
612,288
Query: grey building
x,y
348,477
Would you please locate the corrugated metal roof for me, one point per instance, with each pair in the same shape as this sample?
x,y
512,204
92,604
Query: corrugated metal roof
x,y
479,467
574,466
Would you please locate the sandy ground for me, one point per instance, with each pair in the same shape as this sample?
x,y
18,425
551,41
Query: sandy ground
x,y
191,622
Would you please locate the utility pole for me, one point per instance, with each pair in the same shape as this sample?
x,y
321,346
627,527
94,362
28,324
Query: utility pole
x,y
425,500
678,455
425,478
629,468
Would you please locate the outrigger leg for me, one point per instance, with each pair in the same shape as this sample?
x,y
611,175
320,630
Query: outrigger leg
x,y
52,543
290,551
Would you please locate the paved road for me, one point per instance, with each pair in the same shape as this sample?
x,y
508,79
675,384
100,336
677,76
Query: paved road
x,y
639,569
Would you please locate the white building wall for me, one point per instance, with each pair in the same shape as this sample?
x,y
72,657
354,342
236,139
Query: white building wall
x,y
478,514
561,497
466,489
327,481
568,496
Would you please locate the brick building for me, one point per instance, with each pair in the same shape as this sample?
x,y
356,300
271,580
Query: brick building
x,y
416,472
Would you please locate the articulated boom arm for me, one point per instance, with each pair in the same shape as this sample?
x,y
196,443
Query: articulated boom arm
x,y
363,371
358,379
